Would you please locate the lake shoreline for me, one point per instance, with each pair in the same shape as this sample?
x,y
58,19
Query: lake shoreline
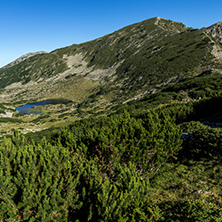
x,y
28,107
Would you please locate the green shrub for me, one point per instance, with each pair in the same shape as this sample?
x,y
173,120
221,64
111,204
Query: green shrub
x,y
190,210
205,142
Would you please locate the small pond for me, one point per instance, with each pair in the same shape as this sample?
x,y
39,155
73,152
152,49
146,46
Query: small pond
x,y
28,107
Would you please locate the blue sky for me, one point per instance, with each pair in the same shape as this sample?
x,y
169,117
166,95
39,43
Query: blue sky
x,y
35,25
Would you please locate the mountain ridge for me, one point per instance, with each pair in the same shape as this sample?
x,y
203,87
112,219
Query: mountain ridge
x,y
215,30
29,54
22,58
128,64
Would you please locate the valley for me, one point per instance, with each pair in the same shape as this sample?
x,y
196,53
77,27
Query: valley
x,y
152,63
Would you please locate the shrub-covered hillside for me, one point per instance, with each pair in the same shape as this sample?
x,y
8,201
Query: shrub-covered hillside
x,y
139,140
116,168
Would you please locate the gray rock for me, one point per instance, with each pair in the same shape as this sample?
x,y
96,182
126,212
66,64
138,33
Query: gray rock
x,y
185,135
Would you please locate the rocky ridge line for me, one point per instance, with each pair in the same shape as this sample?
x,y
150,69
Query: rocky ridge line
x,y
215,31
22,58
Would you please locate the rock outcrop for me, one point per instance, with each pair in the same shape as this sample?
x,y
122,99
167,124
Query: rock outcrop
x,y
215,31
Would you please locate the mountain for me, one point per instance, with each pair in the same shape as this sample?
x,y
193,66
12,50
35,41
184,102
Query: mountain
x,y
22,58
132,60
215,31
154,60
138,136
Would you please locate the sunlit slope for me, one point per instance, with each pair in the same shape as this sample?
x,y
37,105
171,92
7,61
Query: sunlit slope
x,y
127,64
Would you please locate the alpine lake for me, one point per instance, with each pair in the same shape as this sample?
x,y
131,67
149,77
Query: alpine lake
x,y
30,108
37,116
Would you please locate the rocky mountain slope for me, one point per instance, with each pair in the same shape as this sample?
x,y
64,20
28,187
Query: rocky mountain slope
x,y
22,58
133,62
215,31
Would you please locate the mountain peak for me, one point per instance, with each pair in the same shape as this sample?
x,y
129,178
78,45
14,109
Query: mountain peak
x,y
219,23
170,25
215,31
216,24
23,58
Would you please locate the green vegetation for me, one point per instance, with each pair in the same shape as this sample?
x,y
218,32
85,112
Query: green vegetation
x,y
43,65
7,119
148,61
120,167
205,85
142,55
143,144
75,175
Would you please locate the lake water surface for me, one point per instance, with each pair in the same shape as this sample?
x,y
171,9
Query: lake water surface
x,y
28,107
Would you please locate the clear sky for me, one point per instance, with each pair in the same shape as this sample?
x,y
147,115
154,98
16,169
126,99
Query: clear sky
x,y
36,25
